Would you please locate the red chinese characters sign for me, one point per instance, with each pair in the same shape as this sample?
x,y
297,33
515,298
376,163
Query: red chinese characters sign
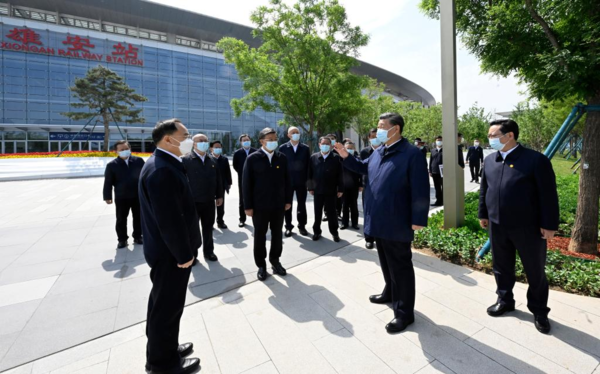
x,y
27,40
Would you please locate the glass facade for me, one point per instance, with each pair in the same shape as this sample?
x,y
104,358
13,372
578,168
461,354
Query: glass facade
x,y
38,66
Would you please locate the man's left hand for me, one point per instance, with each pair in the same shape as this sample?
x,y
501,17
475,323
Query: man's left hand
x,y
340,194
417,227
288,206
547,234
219,202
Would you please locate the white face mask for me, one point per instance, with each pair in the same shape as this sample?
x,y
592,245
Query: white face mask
x,y
438,143
185,146
476,144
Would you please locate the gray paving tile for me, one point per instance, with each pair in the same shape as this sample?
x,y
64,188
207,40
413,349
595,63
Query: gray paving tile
x,y
83,280
86,364
128,357
7,341
31,272
21,292
435,367
14,317
56,253
266,368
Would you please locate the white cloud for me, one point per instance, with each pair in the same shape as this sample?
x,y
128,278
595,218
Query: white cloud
x,y
403,41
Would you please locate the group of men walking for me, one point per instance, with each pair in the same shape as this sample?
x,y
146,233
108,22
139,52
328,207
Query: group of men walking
x,y
182,184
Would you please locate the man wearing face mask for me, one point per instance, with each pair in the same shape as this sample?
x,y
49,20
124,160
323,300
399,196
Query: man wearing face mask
x,y
437,159
326,184
474,159
225,171
396,204
298,156
123,173
171,239
518,202
239,159
421,145
207,188
374,143
267,195
352,186
338,201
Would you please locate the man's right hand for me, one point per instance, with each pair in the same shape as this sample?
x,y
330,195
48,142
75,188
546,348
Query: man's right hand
x,y
249,212
108,202
187,264
484,223
339,147
311,192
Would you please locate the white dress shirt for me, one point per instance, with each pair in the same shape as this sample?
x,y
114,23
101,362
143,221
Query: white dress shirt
x,y
199,155
504,154
172,154
325,155
270,155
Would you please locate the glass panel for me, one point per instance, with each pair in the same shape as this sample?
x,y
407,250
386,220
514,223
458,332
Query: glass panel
x,y
38,135
9,147
37,146
54,146
14,135
20,147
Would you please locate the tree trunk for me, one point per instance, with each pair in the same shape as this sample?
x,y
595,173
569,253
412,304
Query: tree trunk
x,y
585,231
106,131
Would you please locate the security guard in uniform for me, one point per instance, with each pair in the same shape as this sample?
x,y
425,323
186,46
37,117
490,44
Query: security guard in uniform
x,y
519,204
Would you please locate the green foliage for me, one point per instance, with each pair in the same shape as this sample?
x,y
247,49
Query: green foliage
x,y
421,122
374,103
302,67
474,124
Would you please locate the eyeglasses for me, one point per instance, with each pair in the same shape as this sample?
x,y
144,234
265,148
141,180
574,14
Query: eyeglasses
x,y
496,136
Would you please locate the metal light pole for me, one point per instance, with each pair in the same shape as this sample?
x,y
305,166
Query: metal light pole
x,y
454,181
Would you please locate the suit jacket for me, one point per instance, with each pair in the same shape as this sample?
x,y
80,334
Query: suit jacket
x,y
267,186
475,155
461,156
225,170
239,158
437,159
365,154
424,151
124,178
169,219
325,175
297,163
351,179
204,177
397,193
519,191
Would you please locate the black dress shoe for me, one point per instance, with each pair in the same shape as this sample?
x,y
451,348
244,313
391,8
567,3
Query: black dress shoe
x,y
184,350
242,224
355,227
343,227
288,233
122,244
187,366
303,231
262,274
211,257
499,309
279,269
369,245
542,324
380,299
398,325
139,241
316,237
222,226
336,239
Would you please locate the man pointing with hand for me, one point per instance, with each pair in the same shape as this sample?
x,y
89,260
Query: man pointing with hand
x,y
396,204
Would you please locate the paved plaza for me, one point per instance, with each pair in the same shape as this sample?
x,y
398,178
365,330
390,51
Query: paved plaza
x,y
71,302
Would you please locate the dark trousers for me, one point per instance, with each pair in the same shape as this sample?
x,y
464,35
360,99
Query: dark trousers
x,y
397,268
368,239
263,220
339,203
221,212
242,210
328,202
532,251
474,167
350,207
438,184
165,307
123,206
206,214
301,215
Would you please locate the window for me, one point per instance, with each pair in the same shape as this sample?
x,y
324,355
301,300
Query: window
x,y
14,135
78,22
37,146
30,14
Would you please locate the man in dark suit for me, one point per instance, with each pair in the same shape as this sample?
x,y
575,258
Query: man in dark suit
x,y
398,185
338,201
421,145
239,159
352,186
518,202
374,143
461,156
475,159
267,195
172,237
437,159
207,189
298,157
326,184
225,170
123,173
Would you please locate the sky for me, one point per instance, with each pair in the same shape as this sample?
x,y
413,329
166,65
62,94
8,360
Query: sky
x,y
403,41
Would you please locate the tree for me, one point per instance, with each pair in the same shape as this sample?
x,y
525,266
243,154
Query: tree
x,y
553,47
302,67
373,104
534,130
474,124
421,122
103,92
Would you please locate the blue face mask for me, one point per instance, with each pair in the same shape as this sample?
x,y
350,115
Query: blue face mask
x,y
202,146
382,135
350,151
375,142
332,142
496,144
125,154
271,146
217,151
325,148
296,137
246,144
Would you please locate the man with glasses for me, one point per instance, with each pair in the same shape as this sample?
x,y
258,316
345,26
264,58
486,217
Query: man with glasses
x,y
518,203
172,238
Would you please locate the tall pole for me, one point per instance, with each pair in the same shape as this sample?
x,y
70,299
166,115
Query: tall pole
x,y
454,181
